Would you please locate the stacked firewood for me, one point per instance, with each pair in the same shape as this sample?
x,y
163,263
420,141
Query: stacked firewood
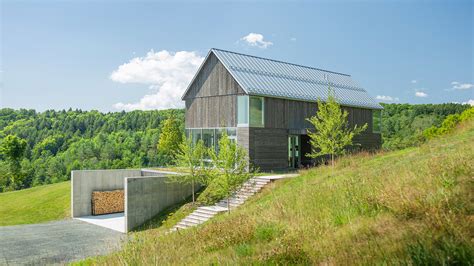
x,y
104,202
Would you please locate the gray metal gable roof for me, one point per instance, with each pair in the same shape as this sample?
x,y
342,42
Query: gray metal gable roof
x,y
266,77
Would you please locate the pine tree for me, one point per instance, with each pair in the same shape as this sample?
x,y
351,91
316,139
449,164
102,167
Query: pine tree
x,y
331,135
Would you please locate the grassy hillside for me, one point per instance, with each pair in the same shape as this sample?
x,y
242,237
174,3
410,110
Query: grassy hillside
x,y
35,205
411,206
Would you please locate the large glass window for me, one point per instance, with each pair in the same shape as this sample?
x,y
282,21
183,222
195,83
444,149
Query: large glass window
x,y
250,111
256,111
211,136
196,134
243,110
376,121
208,137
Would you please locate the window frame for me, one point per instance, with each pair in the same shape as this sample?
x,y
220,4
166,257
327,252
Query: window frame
x,y
247,122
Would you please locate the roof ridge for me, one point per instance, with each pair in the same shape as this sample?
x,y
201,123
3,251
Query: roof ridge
x,y
279,61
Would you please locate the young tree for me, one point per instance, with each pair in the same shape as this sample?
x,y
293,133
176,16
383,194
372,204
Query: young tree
x,y
170,138
230,166
191,156
13,148
331,133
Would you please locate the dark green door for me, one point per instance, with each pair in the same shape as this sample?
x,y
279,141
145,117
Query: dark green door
x,y
294,157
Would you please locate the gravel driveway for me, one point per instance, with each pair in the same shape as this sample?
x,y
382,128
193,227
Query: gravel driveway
x,y
55,242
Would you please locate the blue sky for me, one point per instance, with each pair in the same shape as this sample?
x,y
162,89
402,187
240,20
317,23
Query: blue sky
x,y
109,55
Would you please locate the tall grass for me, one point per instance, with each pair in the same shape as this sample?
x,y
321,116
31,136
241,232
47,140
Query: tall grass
x,y
413,206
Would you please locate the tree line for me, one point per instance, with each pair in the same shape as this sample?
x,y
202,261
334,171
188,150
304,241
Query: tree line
x,y
39,148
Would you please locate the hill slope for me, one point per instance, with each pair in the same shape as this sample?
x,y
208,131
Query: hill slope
x,y
35,205
412,206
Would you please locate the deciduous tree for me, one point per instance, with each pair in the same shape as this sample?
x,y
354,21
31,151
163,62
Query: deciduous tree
x,y
231,166
170,138
331,134
191,156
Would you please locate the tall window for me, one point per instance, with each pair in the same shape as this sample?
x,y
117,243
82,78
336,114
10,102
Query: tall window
x,y
256,111
243,110
376,121
250,111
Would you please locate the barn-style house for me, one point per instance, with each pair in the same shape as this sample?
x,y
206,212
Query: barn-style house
x,y
263,105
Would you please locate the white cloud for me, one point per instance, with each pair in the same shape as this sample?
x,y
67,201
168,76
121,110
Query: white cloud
x,y
167,74
470,102
386,98
461,86
293,39
421,94
414,81
256,39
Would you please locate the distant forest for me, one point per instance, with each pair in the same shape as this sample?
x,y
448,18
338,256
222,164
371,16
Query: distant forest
x,y
56,142
60,141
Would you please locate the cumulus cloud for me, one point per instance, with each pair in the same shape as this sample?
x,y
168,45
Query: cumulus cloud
x,y
470,102
461,86
256,39
421,94
166,73
386,98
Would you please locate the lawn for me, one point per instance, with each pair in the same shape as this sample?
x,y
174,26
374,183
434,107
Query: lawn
x,y
413,206
35,205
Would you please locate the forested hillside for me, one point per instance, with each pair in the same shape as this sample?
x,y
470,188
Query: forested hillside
x,y
60,141
403,124
45,146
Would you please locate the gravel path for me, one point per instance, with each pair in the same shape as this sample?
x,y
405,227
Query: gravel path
x,y
55,242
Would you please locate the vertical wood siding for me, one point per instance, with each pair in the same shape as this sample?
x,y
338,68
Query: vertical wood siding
x,y
211,100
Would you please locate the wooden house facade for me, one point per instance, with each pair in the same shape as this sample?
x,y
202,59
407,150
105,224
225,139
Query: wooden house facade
x,y
263,104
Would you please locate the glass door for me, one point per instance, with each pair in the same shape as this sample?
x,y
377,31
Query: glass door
x,y
294,159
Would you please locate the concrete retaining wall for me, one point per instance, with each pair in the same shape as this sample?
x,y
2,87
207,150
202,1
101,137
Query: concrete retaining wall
x,y
147,192
85,181
146,196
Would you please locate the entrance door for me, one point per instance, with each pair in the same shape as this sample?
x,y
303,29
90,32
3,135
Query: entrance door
x,y
294,157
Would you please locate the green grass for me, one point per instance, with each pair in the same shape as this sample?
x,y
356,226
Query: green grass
x,y
35,205
413,206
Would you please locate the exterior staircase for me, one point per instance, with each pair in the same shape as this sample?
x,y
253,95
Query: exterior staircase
x,y
247,190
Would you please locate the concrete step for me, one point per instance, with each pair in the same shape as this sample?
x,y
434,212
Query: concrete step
x,y
245,193
198,217
187,223
236,200
258,182
202,214
253,185
262,179
249,190
241,196
232,204
205,212
216,209
192,219
178,226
